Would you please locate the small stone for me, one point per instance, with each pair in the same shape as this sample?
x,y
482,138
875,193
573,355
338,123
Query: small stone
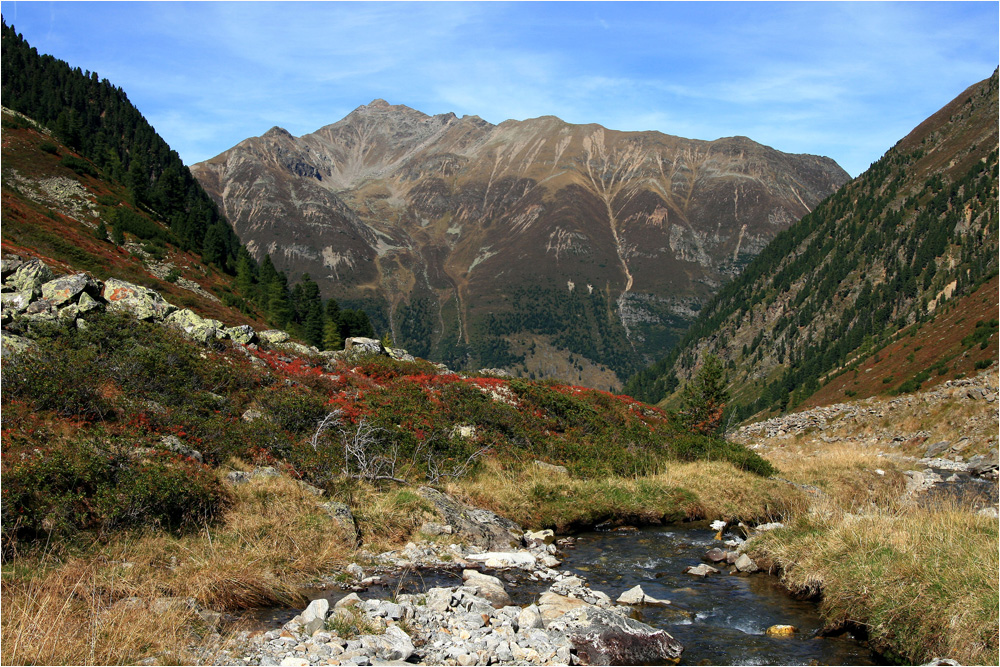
x,y
781,631
745,564
702,570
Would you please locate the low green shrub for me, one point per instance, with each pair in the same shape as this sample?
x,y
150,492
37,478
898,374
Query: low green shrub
x,y
58,376
102,481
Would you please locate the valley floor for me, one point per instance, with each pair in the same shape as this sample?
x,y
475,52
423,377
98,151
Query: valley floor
x,y
865,528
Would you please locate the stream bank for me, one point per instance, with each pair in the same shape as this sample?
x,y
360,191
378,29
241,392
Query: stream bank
x,y
624,596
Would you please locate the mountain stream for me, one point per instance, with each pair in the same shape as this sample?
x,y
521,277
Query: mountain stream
x,y
720,619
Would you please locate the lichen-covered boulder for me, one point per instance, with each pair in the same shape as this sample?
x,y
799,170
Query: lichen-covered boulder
x,y
9,264
12,344
399,354
30,275
194,326
297,348
64,289
16,302
142,302
243,334
272,336
87,303
363,346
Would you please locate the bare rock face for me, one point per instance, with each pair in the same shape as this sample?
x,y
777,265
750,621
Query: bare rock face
x,y
471,240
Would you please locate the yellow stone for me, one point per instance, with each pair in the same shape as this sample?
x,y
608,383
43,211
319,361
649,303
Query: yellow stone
x,y
781,631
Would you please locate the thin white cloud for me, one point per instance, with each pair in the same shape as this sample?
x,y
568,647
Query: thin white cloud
x,y
842,79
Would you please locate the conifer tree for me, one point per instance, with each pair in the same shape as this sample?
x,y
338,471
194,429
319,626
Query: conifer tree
x,y
704,397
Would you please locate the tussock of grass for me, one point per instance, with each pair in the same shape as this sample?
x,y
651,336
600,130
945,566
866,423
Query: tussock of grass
x,y
538,499
63,619
273,539
388,519
924,582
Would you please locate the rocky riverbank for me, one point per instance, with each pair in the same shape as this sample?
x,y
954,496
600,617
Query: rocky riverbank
x,y
475,623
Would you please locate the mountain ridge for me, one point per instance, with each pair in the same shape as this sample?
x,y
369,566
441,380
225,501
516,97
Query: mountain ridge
x,y
448,229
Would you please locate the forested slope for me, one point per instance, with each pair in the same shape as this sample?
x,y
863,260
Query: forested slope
x,y
884,252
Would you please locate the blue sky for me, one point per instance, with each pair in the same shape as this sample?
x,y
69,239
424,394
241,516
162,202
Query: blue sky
x,y
846,80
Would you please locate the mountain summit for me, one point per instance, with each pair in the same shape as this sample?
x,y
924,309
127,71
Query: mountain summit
x,y
546,248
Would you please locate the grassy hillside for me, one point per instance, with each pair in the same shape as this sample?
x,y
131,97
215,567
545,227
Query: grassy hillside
x,y
886,252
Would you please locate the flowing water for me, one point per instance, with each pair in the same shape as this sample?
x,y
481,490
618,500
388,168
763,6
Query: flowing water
x,y
720,620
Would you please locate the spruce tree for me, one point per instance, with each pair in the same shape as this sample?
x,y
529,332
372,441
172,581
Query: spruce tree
x,y
704,397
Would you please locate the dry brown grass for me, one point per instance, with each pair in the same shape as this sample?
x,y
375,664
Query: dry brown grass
x,y
63,619
274,539
922,580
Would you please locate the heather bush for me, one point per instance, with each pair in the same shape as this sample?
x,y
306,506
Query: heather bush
x,y
103,481
58,376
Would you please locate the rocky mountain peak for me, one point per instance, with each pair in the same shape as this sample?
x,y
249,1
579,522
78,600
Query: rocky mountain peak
x,y
465,239
277,133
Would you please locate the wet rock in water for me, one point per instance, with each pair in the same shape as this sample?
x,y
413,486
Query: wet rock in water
x,y
702,570
781,631
716,555
942,662
603,637
637,596
745,564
